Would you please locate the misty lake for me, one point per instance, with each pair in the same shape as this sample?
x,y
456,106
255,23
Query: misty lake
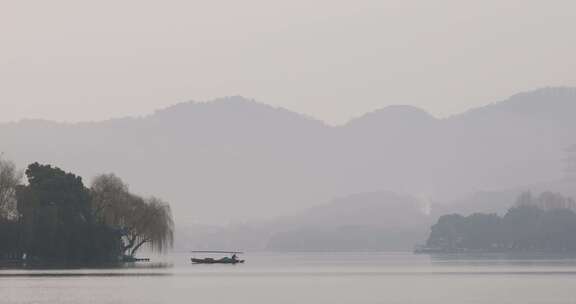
x,y
305,278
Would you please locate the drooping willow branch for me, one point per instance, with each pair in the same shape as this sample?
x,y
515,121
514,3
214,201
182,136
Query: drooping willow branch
x,y
142,221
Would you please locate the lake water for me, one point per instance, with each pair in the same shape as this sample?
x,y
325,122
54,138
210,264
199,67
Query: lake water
x,y
306,278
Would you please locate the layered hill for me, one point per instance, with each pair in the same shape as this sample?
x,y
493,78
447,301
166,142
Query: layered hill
x,y
235,158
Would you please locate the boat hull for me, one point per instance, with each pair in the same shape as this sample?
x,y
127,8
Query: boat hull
x,y
215,261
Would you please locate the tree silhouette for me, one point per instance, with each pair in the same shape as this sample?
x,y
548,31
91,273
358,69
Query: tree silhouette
x,y
9,179
545,223
143,221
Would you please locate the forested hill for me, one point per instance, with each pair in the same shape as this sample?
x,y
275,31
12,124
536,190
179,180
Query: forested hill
x,y
235,158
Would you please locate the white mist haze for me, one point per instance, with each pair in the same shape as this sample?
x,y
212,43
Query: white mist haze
x,y
237,159
377,103
82,61
287,151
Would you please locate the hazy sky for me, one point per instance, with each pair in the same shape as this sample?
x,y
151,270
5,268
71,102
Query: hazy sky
x,y
90,60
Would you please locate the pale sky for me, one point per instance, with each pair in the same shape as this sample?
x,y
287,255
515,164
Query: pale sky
x,y
91,60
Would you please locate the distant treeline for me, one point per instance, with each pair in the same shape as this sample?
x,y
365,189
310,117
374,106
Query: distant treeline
x,y
55,218
546,223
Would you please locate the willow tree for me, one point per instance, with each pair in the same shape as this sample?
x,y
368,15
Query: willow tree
x,y
10,178
142,221
9,236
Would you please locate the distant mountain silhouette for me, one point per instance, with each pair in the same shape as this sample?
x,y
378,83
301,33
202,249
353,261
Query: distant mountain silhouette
x,y
234,158
373,221
404,117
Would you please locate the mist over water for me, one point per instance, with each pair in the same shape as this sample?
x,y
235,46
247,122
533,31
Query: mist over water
x,y
307,278
241,175
296,151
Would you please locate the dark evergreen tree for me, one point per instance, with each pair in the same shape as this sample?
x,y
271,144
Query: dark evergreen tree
x,y
57,219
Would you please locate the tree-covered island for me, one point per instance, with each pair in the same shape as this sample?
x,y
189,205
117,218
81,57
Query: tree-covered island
x,y
55,218
542,224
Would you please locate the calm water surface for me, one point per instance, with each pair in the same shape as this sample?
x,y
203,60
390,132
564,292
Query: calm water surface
x,y
306,278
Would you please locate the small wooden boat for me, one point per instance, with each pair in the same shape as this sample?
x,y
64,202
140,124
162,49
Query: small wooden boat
x,y
233,259
216,261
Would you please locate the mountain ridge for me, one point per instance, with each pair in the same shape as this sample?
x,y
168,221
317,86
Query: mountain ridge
x,y
399,109
237,158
